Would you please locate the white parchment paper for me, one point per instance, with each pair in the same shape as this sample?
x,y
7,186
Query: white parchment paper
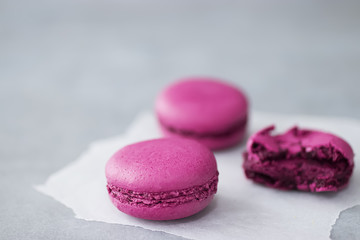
x,y
240,210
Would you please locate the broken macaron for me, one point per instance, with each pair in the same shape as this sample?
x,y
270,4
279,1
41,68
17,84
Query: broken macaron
x,y
162,179
301,159
205,109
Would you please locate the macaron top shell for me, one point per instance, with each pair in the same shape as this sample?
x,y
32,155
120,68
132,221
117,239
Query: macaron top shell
x,y
201,105
161,165
296,140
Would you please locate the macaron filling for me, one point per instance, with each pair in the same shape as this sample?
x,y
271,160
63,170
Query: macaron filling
x,y
166,198
238,126
284,162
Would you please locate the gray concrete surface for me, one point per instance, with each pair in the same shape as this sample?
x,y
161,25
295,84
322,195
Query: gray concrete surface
x,y
347,226
75,71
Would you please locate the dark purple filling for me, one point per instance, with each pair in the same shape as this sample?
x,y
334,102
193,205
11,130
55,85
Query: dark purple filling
x,y
322,154
240,125
164,199
316,169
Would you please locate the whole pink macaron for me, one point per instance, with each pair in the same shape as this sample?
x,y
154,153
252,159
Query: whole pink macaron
x,y
162,179
205,109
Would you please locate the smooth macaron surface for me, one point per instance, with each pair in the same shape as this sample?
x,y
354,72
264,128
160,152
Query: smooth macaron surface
x,y
161,165
202,108
303,159
162,179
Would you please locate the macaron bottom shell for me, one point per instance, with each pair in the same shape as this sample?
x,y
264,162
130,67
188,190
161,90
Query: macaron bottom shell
x,y
299,174
160,213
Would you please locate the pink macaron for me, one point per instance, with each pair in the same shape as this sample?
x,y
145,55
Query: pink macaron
x,y
162,179
302,159
208,110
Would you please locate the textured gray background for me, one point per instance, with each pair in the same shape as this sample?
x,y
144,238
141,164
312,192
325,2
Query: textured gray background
x,y
73,71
